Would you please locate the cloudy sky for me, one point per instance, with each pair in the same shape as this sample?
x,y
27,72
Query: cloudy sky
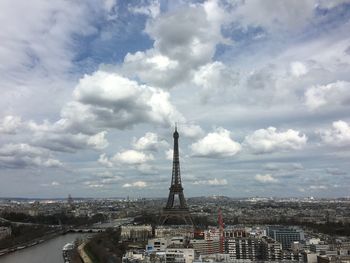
x,y
90,92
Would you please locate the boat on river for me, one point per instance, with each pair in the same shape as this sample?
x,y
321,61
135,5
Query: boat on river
x,y
67,252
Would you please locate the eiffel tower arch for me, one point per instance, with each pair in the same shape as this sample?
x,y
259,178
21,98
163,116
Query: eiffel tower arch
x,y
176,209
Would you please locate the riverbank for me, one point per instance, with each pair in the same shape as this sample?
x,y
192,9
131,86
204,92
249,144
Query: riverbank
x,y
83,255
31,243
48,251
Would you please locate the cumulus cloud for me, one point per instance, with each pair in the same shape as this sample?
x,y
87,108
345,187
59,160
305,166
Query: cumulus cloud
x,y
149,142
274,16
104,160
217,144
56,137
137,184
132,157
298,68
191,130
40,51
183,41
338,135
270,140
215,79
110,100
128,157
24,155
265,178
212,182
332,95
9,124
98,141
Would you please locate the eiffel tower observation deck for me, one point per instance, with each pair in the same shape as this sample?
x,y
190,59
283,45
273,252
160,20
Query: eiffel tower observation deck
x,y
176,207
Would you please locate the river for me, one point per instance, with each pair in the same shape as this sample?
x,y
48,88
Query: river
x,y
49,251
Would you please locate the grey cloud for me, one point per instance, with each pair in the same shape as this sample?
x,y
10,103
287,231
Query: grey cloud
x,y
270,140
10,124
149,142
283,166
25,155
335,171
110,100
184,41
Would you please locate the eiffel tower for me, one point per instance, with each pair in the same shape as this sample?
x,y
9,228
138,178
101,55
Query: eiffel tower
x,y
176,210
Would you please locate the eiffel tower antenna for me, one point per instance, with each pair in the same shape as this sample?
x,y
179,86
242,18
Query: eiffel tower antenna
x,y
172,209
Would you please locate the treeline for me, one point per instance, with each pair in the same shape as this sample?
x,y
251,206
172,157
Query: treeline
x,y
22,234
57,219
105,247
153,219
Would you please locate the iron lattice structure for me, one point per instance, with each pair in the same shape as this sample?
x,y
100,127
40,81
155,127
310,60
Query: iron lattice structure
x,y
172,209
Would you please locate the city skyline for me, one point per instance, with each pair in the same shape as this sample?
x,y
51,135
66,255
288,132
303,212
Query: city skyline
x,y
91,91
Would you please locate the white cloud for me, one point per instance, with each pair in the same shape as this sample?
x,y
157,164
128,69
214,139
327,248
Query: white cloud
x,y
57,137
110,100
9,124
339,135
274,16
93,184
98,141
104,160
132,157
191,130
109,4
111,180
169,154
269,140
24,155
52,184
217,144
318,187
335,171
298,69
265,178
55,183
283,166
213,182
137,184
183,41
215,79
331,4
39,50
149,142
333,94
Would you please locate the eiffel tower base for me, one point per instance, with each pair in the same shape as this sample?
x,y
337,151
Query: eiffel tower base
x,y
176,214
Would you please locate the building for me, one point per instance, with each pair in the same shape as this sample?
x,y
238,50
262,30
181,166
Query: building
x,y
318,248
179,255
271,250
136,232
157,244
285,235
244,248
206,247
232,232
212,233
